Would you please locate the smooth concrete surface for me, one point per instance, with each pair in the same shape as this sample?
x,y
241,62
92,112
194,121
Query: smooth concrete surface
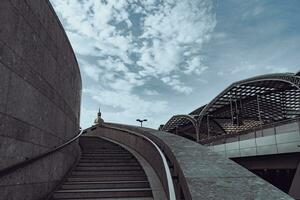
x,y
206,175
40,91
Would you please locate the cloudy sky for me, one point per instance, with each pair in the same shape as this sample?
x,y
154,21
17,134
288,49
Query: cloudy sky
x,y
156,58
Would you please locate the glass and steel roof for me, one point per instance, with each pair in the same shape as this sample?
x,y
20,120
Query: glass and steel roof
x,y
242,106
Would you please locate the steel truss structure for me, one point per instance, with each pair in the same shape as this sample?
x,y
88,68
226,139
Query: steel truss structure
x,y
244,105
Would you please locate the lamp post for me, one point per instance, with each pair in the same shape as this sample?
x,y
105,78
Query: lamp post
x,y
141,121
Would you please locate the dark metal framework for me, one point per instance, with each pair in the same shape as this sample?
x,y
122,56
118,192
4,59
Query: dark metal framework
x,y
184,122
244,105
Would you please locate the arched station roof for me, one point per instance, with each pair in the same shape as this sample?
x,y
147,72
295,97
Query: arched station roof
x,y
246,104
180,120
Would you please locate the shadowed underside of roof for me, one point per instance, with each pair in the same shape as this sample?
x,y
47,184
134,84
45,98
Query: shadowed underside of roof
x,y
243,105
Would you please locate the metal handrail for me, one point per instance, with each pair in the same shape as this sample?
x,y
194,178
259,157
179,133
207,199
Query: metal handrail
x,y
171,189
24,163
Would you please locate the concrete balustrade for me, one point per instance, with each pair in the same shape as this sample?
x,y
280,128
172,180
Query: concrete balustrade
x,y
198,173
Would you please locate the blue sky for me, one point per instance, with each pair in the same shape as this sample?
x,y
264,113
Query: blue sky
x,y
153,59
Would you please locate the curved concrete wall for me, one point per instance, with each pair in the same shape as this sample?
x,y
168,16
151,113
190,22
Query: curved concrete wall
x,y
40,91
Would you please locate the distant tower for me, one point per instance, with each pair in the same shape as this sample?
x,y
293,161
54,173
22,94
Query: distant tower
x,y
99,120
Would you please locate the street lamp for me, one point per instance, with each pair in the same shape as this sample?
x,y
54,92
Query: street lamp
x,y
141,121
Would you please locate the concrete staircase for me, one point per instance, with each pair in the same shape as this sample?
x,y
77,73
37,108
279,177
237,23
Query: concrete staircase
x,y
105,171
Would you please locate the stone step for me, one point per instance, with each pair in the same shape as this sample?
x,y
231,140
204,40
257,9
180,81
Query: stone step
x,y
102,164
107,156
106,151
123,198
105,171
103,168
105,159
110,160
94,143
102,146
108,172
105,185
106,178
100,193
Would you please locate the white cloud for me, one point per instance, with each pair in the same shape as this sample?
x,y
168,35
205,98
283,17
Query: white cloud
x,y
170,32
87,116
255,12
246,69
90,70
195,66
169,29
176,84
121,52
125,46
276,69
151,92
82,45
243,67
130,104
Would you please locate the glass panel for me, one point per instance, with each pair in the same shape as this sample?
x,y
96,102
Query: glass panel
x,y
222,153
232,139
288,147
232,145
268,149
211,148
259,133
268,140
221,141
287,128
247,143
269,131
220,147
247,136
248,152
233,153
288,137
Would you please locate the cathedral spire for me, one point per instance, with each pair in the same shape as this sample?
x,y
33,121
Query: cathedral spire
x,y
99,120
99,112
